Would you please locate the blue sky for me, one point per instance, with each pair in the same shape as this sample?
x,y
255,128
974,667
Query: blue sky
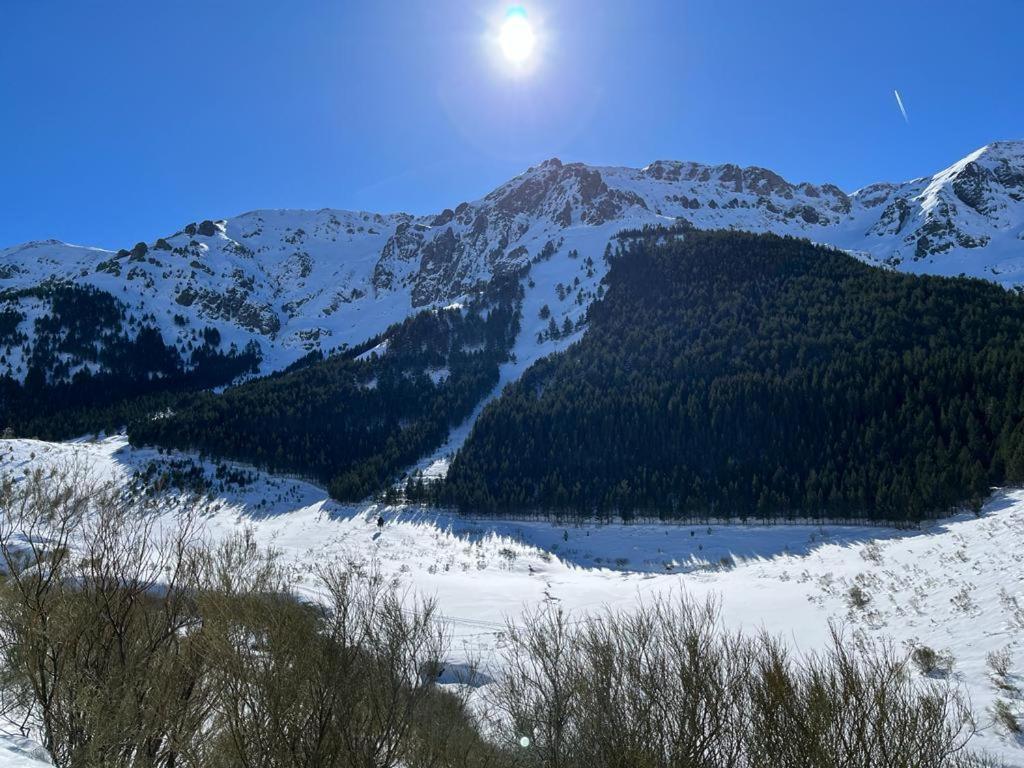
x,y
122,121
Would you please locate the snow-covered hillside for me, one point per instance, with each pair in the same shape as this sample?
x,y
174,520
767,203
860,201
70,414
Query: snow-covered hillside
x,y
295,281
955,586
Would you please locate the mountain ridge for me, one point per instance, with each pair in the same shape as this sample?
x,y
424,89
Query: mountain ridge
x,y
298,281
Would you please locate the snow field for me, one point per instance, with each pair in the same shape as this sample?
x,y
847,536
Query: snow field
x,y
956,586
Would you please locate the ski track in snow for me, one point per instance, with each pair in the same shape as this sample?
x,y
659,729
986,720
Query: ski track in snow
x,y
955,586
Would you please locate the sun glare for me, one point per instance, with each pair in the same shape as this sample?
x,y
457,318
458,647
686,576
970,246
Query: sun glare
x,y
516,37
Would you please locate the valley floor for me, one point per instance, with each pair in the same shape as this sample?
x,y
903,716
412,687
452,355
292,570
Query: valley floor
x,y
956,586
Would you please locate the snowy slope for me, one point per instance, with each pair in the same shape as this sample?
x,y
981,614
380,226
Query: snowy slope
x,y
296,281
955,586
20,752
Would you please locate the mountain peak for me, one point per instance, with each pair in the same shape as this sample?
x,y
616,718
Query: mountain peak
x,y
50,246
1005,148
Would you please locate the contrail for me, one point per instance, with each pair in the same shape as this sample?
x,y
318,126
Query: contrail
x,y
903,110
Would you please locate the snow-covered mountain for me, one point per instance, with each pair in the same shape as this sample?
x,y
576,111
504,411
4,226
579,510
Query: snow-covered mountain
x,y
296,280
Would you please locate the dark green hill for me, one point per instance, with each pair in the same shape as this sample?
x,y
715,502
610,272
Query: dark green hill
x,y
351,421
753,375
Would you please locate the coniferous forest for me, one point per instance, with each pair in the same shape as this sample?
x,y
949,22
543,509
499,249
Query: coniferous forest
x,y
729,374
93,365
353,421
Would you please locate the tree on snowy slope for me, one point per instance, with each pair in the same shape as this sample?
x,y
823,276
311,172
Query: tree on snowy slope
x,y
91,363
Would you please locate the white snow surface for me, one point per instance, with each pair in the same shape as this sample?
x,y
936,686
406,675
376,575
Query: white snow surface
x,y
955,586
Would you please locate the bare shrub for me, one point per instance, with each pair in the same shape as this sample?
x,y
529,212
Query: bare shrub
x,y
447,733
1000,662
1006,718
658,682
98,628
129,644
963,600
537,696
852,706
667,686
872,552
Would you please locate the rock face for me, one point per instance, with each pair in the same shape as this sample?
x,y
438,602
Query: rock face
x,y
296,280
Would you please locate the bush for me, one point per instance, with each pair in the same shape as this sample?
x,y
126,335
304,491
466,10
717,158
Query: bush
x,y
858,598
1006,718
925,659
930,662
1000,662
106,667
667,686
128,646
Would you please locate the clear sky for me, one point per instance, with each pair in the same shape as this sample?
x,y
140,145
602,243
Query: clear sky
x,y
123,121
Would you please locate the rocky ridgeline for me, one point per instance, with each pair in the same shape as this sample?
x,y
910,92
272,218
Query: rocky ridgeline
x,y
296,281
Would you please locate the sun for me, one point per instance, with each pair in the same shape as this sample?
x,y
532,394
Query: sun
x,y
516,37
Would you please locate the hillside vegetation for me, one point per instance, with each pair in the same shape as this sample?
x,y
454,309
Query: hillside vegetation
x,y
759,376
93,362
352,422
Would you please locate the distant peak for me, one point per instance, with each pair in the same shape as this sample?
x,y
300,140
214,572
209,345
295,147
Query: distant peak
x,y
1015,146
49,243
